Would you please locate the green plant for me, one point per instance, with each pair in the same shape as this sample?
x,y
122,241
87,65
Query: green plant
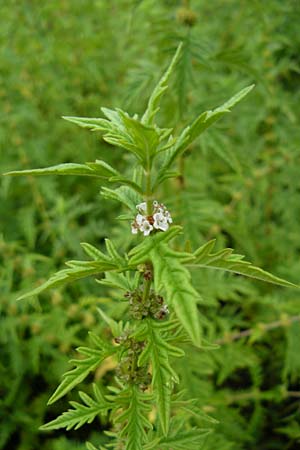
x,y
161,314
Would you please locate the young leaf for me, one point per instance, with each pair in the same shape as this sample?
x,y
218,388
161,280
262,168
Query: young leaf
x,y
83,367
225,260
120,280
126,182
123,131
159,90
94,124
113,253
124,195
144,137
191,132
94,252
81,413
102,168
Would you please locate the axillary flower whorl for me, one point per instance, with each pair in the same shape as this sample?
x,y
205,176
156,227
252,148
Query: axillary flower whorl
x,y
158,220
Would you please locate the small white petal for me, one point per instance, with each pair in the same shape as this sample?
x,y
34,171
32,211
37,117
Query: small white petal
x,y
134,230
142,207
163,226
168,217
158,216
146,227
147,232
160,222
140,219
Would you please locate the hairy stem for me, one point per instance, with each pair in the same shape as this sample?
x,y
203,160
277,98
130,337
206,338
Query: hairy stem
x,y
148,193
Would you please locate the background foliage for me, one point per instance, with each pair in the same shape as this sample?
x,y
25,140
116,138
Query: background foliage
x,y
240,185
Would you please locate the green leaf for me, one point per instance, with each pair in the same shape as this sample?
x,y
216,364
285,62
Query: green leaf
x,y
206,119
115,327
103,169
80,269
139,253
135,409
94,252
123,131
120,280
127,182
90,446
144,137
60,169
83,367
225,260
192,440
170,274
158,351
124,195
159,90
77,271
98,169
94,124
113,253
81,413
191,132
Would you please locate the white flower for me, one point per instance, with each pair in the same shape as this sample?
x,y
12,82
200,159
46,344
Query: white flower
x,y
160,221
134,228
140,219
137,223
142,207
168,217
146,227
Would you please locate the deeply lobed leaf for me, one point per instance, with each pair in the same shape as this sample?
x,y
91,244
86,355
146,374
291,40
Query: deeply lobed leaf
x,y
81,413
158,351
81,269
83,367
225,260
133,414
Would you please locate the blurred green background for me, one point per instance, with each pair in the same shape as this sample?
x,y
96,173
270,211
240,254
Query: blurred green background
x,y
240,184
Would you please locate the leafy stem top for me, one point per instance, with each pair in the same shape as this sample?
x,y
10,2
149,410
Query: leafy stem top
x,y
141,137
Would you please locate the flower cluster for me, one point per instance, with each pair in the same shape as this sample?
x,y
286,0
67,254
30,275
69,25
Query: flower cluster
x,y
158,220
153,307
127,370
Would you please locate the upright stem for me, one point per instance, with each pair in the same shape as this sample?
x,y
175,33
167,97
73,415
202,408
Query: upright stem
x,y
149,199
148,191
